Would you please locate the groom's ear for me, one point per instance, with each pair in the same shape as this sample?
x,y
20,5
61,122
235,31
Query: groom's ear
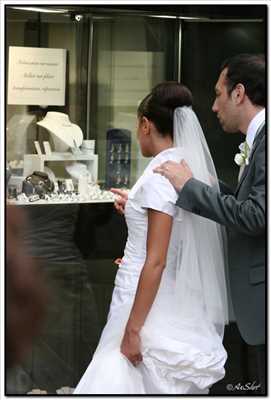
x,y
238,93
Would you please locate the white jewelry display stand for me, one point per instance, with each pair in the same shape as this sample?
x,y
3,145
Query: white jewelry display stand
x,y
36,162
65,135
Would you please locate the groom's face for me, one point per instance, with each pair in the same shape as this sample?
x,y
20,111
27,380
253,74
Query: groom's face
x,y
224,105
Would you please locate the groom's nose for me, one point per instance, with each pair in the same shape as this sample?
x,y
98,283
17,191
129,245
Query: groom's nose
x,y
214,107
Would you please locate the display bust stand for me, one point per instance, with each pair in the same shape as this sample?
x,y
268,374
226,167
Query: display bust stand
x,y
65,135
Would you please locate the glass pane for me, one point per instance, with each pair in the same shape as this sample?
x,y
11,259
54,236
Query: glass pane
x,y
71,328
32,29
241,37
77,243
124,70
237,37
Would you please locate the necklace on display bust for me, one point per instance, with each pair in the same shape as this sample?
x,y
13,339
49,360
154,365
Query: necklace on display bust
x,y
64,133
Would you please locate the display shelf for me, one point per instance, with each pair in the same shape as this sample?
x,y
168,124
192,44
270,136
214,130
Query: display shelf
x,y
69,157
36,162
50,202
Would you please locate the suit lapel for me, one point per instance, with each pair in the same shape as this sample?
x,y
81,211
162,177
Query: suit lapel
x,y
254,147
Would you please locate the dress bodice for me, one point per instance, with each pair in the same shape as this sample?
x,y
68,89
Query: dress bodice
x,y
150,191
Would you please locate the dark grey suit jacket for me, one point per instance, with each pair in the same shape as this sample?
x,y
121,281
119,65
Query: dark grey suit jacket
x,y
243,214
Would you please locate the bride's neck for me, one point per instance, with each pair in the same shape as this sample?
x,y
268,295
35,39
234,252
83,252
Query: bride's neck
x,y
160,144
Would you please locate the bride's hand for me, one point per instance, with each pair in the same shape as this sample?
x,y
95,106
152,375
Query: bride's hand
x,y
120,200
130,347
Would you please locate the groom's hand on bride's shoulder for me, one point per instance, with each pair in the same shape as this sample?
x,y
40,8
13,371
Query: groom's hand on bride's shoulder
x,y
120,199
177,173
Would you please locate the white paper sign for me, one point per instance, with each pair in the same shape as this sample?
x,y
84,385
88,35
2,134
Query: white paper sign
x,y
36,76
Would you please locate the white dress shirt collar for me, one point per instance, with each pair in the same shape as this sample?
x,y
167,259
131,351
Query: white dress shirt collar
x,y
253,127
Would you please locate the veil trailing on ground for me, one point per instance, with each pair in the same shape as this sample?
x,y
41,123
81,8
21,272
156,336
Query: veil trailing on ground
x,y
200,277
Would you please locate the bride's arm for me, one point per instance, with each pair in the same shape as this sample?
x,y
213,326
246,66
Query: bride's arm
x,y
159,230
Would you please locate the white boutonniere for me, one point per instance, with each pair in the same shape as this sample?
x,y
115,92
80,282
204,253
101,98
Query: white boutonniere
x,y
242,158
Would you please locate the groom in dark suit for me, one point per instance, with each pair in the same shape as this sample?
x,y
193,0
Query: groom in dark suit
x,y
240,107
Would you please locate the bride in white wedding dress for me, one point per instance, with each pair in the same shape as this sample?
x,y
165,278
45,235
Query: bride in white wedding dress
x,y
166,322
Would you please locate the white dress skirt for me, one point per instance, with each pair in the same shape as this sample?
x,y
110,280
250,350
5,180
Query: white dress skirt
x,y
180,355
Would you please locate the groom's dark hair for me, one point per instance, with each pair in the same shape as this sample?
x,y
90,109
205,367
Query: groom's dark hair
x,y
159,105
249,70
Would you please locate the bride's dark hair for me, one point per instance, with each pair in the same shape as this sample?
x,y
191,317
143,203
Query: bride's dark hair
x,y
159,105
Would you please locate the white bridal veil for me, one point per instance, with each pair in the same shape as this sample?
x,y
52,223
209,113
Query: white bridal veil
x,y
202,256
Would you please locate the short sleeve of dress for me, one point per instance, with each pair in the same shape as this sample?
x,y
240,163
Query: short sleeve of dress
x,y
158,194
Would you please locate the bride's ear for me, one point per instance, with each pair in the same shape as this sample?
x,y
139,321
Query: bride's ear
x,y
145,125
